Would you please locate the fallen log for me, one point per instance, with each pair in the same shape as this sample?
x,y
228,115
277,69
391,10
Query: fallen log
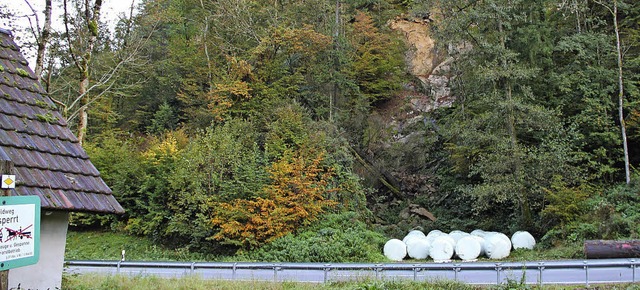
x,y
605,249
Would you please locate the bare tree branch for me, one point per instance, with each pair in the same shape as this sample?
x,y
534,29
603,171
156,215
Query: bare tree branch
x,y
68,34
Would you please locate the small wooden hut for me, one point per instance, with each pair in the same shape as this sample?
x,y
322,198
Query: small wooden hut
x,y
48,162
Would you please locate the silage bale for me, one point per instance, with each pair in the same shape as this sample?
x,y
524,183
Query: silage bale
x,y
468,248
478,232
432,235
413,233
457,235
500,235
523,240
481,242
442,248
449,239
418,247
395,250
497,245
416,232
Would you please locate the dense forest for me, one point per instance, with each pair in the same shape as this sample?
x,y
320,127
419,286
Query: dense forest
x,y
237,126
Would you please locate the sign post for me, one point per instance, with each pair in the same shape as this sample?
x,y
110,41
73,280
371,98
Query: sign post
x,y
6,167
19,226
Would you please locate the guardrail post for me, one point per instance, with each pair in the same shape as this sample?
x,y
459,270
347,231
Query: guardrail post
x,y
498,269
378,269
586,274
633,268
416,269
276,268
456,270
540,268
326,269
233,271
118,267
193,268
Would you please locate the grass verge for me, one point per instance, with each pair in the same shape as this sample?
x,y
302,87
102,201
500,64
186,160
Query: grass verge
x,y
98,245
99,282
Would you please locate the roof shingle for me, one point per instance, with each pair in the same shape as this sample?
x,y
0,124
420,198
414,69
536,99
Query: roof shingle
x,y
48,160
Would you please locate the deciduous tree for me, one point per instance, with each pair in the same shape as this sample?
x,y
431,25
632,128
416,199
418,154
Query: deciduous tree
x,y
613,9
295,197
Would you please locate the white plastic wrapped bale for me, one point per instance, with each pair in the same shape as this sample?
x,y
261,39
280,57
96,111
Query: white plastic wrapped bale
x,y
449,239
416,232
432,235
468,248
500,235
481,242
497,245
457,235
418,247
442,248
523,240
413,233
395,250
478,232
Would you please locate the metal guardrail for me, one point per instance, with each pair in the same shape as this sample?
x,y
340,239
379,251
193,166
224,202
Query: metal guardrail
x,y
544,272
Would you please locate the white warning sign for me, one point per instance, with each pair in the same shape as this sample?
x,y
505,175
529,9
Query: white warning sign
x,y
19,233
8,181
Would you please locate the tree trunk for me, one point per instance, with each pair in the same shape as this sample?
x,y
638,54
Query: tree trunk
x,y
510,120
83,115
205,33
82,59
44,39
623,128
606,249
6,167
336,63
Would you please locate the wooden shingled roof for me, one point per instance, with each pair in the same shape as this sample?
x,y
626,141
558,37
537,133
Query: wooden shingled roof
x,y
48,160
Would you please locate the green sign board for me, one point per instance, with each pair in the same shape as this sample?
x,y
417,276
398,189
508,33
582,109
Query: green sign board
x,y
19,231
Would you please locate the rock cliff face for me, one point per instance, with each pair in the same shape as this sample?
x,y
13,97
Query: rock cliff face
x,y
421,57
426,63
412,132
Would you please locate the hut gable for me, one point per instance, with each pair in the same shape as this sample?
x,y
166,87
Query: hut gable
x,y
48,160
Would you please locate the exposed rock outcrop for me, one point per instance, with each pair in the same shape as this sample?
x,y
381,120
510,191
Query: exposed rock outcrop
x,y
421,58
426,63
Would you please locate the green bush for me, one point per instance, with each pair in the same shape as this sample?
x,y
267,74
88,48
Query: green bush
x,y
617,212
610,215
117,158
170,185
159,159
336,238
222,164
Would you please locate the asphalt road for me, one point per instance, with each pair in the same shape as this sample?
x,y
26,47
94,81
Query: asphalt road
x,y
583,272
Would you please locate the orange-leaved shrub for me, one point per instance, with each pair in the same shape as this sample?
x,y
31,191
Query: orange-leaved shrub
x,y
294,198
